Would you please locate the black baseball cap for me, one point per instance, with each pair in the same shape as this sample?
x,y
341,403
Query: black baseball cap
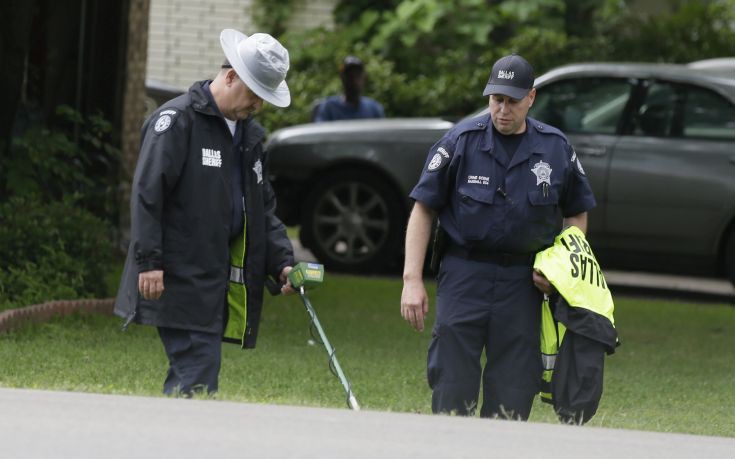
x,y
511,76
351,62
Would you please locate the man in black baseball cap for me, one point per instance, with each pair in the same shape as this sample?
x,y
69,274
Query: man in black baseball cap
x,y
502,187
511,76
511,92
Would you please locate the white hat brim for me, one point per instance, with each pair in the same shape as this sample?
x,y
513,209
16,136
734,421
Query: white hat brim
x,y
229,39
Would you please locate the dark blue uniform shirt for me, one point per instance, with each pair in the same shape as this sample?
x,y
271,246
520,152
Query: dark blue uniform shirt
x,y
489,202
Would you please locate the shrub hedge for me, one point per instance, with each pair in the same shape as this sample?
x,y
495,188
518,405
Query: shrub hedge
x,y
51,250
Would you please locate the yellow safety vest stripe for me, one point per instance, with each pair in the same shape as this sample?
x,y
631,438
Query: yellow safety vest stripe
x,y
237,298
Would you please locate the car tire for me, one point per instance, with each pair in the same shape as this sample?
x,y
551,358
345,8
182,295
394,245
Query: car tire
x,y
730,256
354,221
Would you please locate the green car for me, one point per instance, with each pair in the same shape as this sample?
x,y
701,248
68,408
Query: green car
x,y
657,142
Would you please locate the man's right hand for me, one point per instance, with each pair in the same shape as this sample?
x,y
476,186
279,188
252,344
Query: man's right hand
x,y
414,303
150,284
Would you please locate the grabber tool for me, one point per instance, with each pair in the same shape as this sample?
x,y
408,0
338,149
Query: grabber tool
x,y
306,275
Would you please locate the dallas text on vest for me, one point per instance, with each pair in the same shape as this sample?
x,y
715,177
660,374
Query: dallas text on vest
x,y
583,261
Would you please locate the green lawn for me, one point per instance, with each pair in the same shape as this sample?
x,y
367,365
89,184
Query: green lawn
x,y
675,371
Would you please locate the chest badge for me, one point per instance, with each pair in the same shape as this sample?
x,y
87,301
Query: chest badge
x,y
258,168
542,171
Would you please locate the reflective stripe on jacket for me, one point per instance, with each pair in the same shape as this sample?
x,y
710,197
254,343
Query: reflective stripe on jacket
x,y
235,329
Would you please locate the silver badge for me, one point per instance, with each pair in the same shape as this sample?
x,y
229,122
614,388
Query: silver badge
x,y
542,171
258,168
162,123
436,161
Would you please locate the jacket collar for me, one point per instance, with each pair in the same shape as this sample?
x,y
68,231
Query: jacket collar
x,y
203,102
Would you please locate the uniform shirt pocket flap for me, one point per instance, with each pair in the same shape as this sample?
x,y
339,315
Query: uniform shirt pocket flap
x,y
538,198
477,193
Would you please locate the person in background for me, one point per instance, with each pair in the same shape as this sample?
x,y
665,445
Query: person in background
x,y
352,105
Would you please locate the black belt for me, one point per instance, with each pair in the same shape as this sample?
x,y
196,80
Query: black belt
x,y
503,259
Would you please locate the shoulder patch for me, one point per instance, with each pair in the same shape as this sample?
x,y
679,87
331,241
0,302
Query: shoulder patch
x,y
440,159
165,120
576,162
580,168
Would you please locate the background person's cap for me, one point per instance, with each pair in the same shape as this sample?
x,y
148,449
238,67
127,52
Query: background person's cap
x,y
350,62
511,76
261,62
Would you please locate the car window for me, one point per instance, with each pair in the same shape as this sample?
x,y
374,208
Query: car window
x,y
708,115
682,110
583,105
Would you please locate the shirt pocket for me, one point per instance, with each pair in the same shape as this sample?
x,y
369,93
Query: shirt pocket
x,y
543,207
475,212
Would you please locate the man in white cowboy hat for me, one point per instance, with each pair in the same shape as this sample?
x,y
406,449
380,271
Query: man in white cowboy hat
x,y
205,237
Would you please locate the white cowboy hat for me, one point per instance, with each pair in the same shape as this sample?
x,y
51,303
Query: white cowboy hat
x,y
261,62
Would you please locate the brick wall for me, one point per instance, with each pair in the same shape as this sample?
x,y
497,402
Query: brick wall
x,y
183,35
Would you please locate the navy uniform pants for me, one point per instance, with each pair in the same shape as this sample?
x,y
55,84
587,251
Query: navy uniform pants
x,y
485,306
194,361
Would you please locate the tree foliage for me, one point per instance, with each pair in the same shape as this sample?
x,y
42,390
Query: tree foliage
x,y
50,250
47,163
273,16
52,245
432,57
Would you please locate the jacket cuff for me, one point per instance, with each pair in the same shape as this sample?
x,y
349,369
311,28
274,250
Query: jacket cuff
x,y
149,264
289,261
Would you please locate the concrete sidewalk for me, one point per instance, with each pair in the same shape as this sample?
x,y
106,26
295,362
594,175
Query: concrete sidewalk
x,y
40,424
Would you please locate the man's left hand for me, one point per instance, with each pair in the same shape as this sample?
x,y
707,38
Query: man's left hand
x,y
286,288
542,283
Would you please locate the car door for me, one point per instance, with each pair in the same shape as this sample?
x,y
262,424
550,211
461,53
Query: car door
x,y
671,177
588,109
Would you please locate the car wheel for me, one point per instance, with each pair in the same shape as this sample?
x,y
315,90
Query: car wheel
x,y
730,256
354,221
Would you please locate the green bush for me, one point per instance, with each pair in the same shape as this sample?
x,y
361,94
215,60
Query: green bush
x,y
68,157
693,30
51,251
433,57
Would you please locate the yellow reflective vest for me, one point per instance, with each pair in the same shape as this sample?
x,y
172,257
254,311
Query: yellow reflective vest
x,y
571,267
237,297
